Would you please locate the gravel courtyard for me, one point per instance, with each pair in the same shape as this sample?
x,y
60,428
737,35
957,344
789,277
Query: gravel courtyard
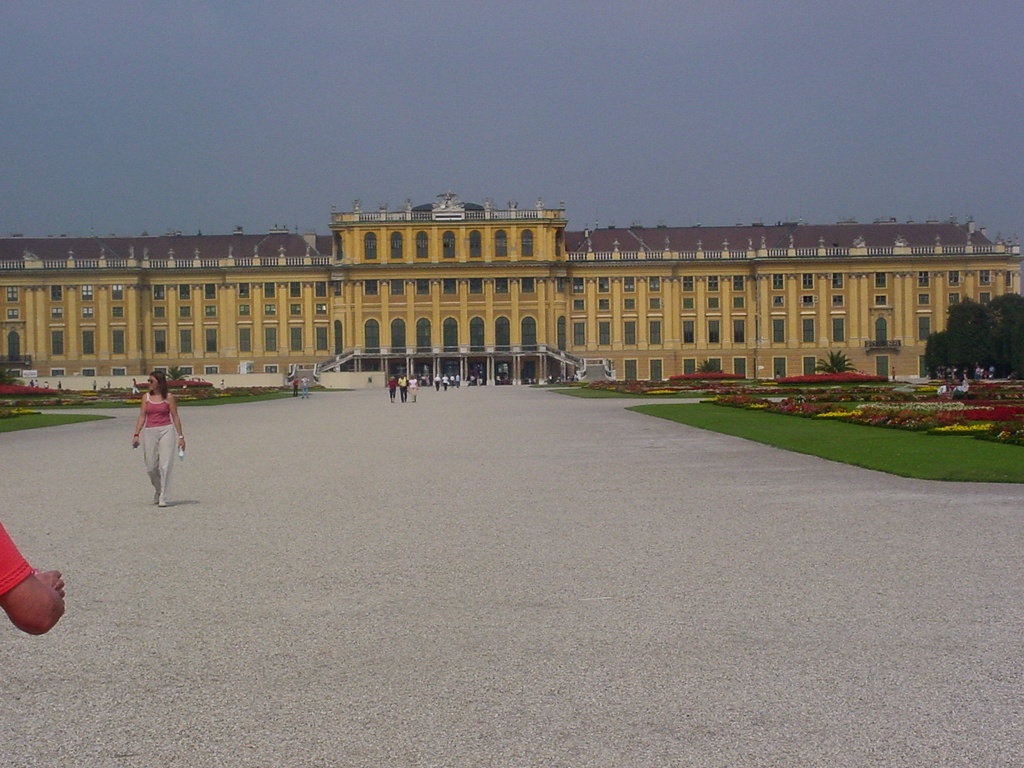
x,y
503,576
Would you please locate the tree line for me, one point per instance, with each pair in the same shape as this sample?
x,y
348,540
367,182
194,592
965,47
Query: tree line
x,y
985,335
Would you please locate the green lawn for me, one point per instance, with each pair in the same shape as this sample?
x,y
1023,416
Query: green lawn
x,y
898,452
34,420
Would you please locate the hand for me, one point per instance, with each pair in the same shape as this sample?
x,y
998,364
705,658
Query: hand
x,y
53,580
181,441
135,442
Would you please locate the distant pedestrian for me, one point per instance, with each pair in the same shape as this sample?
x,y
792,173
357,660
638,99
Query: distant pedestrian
x,y
295,387
305,388
414,386
444,382
437,383
403,387
392,387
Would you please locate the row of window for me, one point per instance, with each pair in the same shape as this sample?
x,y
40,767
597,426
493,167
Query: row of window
x,y
396,242
186,370
185,340
448,286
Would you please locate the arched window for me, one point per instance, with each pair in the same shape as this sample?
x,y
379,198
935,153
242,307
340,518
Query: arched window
x,y
475,249
881,331
502,334
526,243
371,336
370,246
423,341
561,332
501,243
529,329
422,251
476,334
396,245
448,245
13,345
398,335
450,331
339,338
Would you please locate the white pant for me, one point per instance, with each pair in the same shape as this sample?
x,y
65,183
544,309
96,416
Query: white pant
x,y
158,447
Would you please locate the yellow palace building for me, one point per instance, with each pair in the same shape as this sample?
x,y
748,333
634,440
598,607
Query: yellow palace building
x,y
493,294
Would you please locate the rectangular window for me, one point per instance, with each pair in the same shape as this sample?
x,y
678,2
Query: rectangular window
x,y
398,287
778,330
809,365
924,299
88,342
57,313
629,332
924,328
88,371
738,302
243,291
654,284
243,309
270,338
808,329
954,277
579,334
604,285
209,310
739,366
295,338
984,277
712,302
211,340
739,331
501,285
87,292
687,302
604,333
579,305
160,341
628,284
881,279
423,287
689,365
738,283
448,285
808,300
56,292
656,370
245,339
881,300
778,301
117,341
184,291
476,285
12,314
321,338
115,371
688,282
269,290
655,303
185,340
984,297
88,312
159,311
159,293
57,372
321,308
209,369
527,285
837,280
210,291
714,332
654,335
807,281
577,285
838,329
320,289
778,282
270,309
185,310
629,305
296,309
370,287
712,282
117,293
295,289
954,298
923,279
604,305
688,332
838,300
272,368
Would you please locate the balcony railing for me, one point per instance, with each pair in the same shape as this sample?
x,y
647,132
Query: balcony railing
x,y
882,344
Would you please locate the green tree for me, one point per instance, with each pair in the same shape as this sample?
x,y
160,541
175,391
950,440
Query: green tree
x,y
709,366
1006,314
7,376
834,362
970,335
174,373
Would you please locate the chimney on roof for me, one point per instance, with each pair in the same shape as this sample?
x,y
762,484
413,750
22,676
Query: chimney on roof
x,y
238,231
970,226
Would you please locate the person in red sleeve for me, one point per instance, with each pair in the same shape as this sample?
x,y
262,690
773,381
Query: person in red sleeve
x,y
33,600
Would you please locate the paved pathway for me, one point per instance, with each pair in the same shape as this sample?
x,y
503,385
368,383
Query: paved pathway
x,y
504,577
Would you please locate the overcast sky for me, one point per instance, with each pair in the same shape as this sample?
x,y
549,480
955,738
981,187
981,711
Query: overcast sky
x,y
124,117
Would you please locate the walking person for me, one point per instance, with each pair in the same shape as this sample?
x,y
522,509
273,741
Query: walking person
x,y
160,429
414,387
392,386
403,387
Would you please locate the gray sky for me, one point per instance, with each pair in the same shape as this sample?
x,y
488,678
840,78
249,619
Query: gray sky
x,y
120,117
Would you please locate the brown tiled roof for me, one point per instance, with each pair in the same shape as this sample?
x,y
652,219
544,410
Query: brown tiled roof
x,y
774,236
159,247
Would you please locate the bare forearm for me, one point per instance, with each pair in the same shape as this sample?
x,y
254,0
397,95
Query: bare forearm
x,y
36,604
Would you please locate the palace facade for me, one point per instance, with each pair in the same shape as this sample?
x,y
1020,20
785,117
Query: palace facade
x,y
506,295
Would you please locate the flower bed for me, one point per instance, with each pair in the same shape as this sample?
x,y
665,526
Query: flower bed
x,y
708,376
832,378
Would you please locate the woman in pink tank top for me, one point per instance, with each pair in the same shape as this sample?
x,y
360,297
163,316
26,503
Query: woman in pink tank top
x,y
159,428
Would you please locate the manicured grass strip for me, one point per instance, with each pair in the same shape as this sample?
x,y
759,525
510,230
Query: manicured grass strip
x,y
36,420
898,452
